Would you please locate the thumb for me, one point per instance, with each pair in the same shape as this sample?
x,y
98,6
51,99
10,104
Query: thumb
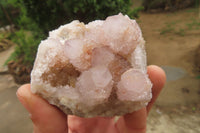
x,y
46,118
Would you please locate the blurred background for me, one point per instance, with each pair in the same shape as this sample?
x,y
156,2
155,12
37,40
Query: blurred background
x,y
171,29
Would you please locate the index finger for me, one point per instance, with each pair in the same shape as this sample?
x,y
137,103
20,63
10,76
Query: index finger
x,y
158,78
136,121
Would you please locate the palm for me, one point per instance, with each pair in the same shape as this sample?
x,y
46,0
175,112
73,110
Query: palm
x,y
92,125
127,124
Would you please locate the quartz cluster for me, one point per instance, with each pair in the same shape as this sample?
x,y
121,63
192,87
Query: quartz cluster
x,y
97,69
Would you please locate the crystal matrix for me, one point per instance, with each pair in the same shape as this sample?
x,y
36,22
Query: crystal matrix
x,y
98,69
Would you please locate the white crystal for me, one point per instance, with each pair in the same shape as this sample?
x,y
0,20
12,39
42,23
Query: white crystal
x,y
95,85
102,56
98,69
134,86
69,31
73,49
138,58
120,30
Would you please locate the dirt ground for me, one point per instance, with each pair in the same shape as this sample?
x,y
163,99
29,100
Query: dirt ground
x,y
174,50
171,45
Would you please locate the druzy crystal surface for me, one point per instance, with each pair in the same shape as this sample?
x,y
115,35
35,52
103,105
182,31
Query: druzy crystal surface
x,y
97,69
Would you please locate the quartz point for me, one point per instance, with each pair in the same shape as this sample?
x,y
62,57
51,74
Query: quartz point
x,y
94,69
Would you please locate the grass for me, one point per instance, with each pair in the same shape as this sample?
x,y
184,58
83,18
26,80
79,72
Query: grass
x,y
169,28
194,24
26,46
192,10
190,22
5,35
180,32
173,27
193,108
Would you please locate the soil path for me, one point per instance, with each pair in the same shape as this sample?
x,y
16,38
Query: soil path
x,y
171,43
174,52
3,57
13,117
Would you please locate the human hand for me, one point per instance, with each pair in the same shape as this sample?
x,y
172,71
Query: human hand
x,y
47,118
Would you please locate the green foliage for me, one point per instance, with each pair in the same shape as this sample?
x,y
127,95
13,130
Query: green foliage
x,y
12,9
49,14
27,37
3,3
3,36
37,17
180,32
169,5
3,20
197,3
172,27
194,24
27,43
193,108
169,27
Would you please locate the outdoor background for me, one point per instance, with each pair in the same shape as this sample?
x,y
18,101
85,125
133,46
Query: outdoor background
x,y
171,29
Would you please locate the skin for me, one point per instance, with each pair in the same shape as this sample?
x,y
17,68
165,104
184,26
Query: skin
x,y
47,118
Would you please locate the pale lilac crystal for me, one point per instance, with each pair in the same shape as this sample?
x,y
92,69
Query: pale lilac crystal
x,y
134,85
74,51
98,69
120,30
102,56
95,85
